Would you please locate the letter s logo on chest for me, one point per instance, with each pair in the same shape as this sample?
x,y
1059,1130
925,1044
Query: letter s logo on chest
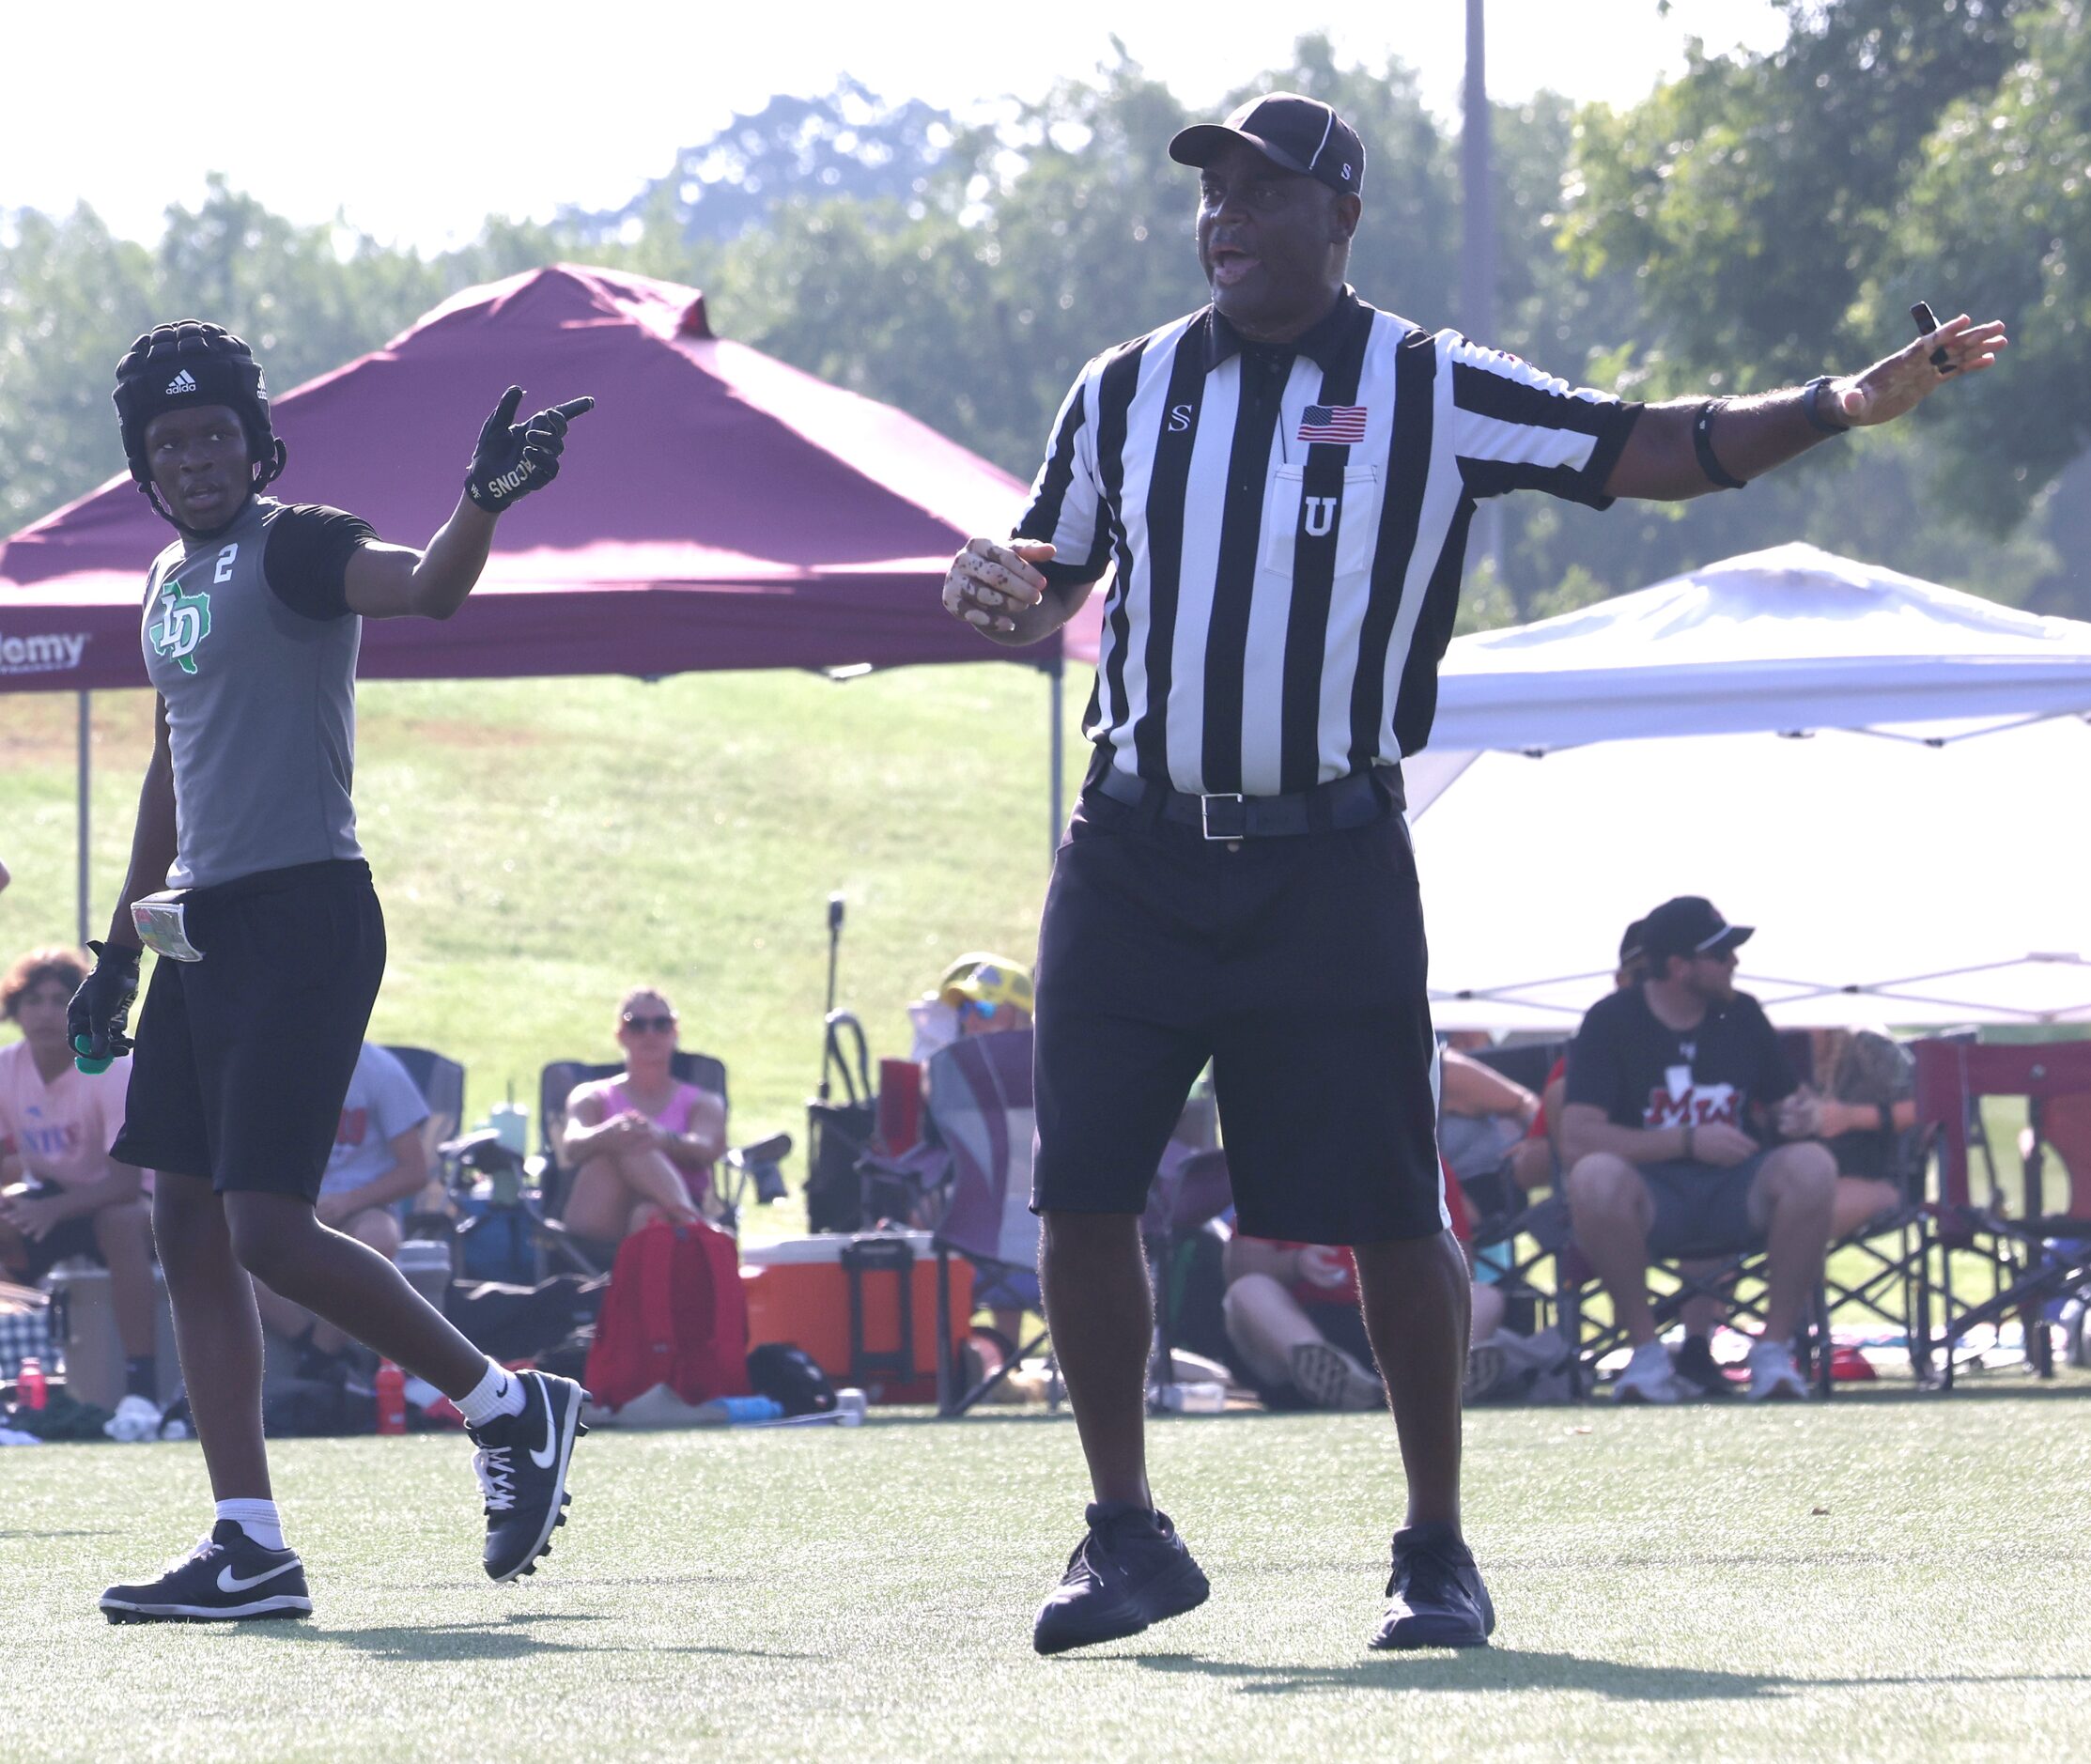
x,y
1179,418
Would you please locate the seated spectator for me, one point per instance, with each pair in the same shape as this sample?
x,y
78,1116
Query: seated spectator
x,y
1863,1107
60,1193
1665,1134
379,1159
1537,1163
1294,1320
978,993
1484,1120
641,1144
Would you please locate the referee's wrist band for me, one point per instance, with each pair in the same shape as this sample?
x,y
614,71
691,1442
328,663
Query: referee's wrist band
x,y
1702,444
1811,406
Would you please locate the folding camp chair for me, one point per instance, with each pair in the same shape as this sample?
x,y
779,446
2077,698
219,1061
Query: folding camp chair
x,y
2029,1253
1738,1276
555,1083
441,1083
979,1110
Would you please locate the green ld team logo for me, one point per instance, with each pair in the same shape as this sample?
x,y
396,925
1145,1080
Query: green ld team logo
x,y
183,623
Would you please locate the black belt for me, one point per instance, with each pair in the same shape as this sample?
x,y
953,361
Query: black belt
x,y
1354,800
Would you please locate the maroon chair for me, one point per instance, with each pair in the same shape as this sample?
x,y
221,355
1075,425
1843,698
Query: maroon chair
x,y
2029,1249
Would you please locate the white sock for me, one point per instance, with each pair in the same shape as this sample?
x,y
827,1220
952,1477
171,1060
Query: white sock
x,y
257,1519
498,1393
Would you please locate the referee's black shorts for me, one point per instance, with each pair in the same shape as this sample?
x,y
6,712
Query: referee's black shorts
x,y
243,1058
1295,964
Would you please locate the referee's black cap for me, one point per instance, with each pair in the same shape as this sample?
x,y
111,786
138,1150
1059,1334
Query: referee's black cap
x,y
1302,134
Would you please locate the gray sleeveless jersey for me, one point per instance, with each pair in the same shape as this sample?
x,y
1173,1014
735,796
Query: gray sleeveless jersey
x,y
261,710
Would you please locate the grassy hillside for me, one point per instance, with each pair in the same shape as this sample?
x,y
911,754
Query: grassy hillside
x,y
540,845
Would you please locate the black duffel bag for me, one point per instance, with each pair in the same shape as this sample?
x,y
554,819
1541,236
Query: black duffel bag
x,y
839,1133
519,1322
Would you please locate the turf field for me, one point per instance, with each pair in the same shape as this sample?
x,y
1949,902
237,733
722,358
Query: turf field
x,y
1883,1576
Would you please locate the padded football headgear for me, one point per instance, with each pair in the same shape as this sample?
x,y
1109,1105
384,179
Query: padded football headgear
x,y
187,364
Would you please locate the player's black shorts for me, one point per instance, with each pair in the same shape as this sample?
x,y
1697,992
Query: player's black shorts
x,y
243,1058
1295,964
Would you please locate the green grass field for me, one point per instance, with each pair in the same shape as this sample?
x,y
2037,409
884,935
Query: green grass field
x,y
1883,1576
542,844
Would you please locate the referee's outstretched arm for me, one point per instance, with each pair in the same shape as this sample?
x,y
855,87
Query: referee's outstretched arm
x,y
1692,446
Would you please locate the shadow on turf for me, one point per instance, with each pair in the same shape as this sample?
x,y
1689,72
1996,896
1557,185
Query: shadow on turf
x,y
1509,1669
495,1638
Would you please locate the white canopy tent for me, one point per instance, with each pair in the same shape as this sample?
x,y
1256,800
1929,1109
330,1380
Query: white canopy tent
x,y
1883,775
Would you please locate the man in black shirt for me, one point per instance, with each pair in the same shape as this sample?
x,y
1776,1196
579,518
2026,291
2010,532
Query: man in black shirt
x,y
1670,1087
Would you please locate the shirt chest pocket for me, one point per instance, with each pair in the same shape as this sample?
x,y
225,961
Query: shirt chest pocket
x,y
1295,518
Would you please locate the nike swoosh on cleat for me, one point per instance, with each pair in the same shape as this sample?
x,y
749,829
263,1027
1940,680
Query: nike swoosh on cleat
x,y
543,1459
229,1582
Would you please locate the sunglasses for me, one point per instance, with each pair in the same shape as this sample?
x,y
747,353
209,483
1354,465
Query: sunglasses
x,y
650,1025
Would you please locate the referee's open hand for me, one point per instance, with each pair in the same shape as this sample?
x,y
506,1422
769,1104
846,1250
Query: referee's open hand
x,y
989,583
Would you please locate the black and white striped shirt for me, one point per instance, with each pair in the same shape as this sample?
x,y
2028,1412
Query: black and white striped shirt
x,y
1288,525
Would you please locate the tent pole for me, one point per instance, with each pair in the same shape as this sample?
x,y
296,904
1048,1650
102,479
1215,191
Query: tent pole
x,y
86,728
1054,670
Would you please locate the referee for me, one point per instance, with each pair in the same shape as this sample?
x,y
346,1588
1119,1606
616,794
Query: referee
x,y
1283,481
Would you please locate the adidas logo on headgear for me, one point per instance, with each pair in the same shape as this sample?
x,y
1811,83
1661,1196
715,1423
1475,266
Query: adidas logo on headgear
x,y
183,381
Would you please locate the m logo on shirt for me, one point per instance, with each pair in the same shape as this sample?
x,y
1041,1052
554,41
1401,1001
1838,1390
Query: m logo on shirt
x,y
183,623
1679,1103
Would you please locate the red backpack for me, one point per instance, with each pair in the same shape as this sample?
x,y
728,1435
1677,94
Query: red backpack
x,y
675,1315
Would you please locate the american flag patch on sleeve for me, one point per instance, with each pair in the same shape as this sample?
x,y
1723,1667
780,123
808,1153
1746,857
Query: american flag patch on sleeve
x,y
1342,425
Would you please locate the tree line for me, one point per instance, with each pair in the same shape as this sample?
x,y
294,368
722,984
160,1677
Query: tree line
x,y
1757,220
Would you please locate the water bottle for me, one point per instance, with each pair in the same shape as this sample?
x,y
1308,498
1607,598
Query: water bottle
x,y
390,1384
739,1411
32,1390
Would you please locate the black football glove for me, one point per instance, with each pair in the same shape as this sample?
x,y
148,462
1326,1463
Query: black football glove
x,y
513,460
100,1010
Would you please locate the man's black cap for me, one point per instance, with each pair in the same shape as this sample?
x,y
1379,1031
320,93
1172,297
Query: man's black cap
x,y
1302,134
1634,946
1690,926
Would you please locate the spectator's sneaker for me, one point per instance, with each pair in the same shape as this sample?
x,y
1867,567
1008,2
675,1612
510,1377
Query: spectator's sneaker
x,y
1773,1377
1648,1378
1131,1570
522,1462
1436,1597
136,1417
1329,1379
1696,1365
226,1578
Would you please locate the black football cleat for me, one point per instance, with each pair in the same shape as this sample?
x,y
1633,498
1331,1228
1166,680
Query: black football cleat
x,y
1436,1597
522,1462
227,1578
1130,1570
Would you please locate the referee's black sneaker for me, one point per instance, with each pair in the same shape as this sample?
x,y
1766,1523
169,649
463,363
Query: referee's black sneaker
x,y
521,1462
1436,1597
1130,1570
226,1578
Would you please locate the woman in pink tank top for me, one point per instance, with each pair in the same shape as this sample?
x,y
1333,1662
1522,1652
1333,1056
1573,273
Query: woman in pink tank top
x,y
642,1144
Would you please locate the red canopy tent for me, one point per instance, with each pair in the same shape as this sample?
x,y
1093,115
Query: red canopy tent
x,y
718,509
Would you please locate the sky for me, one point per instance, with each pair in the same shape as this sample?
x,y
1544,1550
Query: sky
x,y
415,121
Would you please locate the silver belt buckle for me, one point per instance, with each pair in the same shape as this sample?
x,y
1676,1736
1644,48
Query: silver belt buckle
x,y
1206,814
